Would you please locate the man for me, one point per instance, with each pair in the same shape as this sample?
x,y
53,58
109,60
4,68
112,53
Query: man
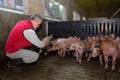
x,y
23,35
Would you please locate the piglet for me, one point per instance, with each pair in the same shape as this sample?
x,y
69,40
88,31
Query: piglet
x,y
79,49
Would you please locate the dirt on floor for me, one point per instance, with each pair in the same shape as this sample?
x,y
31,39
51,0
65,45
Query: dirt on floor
x,y
52,67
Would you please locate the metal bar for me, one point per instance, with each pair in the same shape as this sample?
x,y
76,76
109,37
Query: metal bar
x,y
114,27
98,25
109,27
115,13
83,29
118,28
46,28
102,25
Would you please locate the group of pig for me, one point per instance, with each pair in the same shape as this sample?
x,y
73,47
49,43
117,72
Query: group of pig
x,y
92,47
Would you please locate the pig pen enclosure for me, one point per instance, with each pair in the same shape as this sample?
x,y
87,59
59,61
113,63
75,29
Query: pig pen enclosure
x,y
84,29
52,67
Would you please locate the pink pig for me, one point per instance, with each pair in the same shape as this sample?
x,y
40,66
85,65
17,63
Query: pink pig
x,y
79,49
110,48
63,44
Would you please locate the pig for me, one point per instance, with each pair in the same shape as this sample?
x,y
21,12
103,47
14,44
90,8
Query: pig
x,y
117,41
60,46
70,41
63,44
96,50
109,48
88,43
79,49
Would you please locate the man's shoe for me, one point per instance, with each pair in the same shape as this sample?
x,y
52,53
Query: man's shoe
x,y
14,67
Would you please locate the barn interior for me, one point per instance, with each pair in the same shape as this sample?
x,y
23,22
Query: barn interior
x,y
56,15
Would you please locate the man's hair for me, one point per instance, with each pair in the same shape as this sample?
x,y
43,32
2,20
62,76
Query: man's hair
x,y
36,16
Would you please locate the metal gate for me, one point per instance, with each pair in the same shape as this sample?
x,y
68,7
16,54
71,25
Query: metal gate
x,y
83,29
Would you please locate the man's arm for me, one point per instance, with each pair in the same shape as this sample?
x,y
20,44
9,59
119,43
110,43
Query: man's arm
x,y
31,36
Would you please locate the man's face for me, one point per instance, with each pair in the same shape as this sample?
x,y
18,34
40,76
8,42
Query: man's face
x,y
37,23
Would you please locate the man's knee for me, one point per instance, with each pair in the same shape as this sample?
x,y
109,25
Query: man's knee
x,y
35,57
31,59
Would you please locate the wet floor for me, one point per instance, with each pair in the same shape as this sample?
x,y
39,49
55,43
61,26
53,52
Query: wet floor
x,y
52,67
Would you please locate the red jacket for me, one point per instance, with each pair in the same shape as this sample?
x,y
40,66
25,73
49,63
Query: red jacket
x,y
16,39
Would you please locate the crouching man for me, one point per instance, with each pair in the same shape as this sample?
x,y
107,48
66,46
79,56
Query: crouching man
x,y
23,35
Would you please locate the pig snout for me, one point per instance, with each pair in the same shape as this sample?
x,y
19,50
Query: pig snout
x,y
96,52
72,48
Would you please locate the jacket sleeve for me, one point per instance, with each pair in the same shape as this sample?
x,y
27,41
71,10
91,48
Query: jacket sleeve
x,y
31,36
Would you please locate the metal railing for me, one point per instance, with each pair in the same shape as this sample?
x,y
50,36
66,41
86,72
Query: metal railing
x,y
83,29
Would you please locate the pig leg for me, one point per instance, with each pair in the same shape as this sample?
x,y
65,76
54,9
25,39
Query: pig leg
x,y
68,51
113,63
89,57
46,53
40,51
60,52
64,51
80,58
76,55
106,62
101,59
86,55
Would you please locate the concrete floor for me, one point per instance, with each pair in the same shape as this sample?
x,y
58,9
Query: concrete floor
x,y
52,67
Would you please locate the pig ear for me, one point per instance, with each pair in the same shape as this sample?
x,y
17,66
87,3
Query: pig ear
x,y
117,39
75,37
93,38
78,38
88,38
51,35
112,35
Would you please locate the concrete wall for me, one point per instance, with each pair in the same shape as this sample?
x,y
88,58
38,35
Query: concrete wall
x,y
33,7
38,7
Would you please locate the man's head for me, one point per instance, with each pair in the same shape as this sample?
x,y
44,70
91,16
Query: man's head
x,y
36,20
